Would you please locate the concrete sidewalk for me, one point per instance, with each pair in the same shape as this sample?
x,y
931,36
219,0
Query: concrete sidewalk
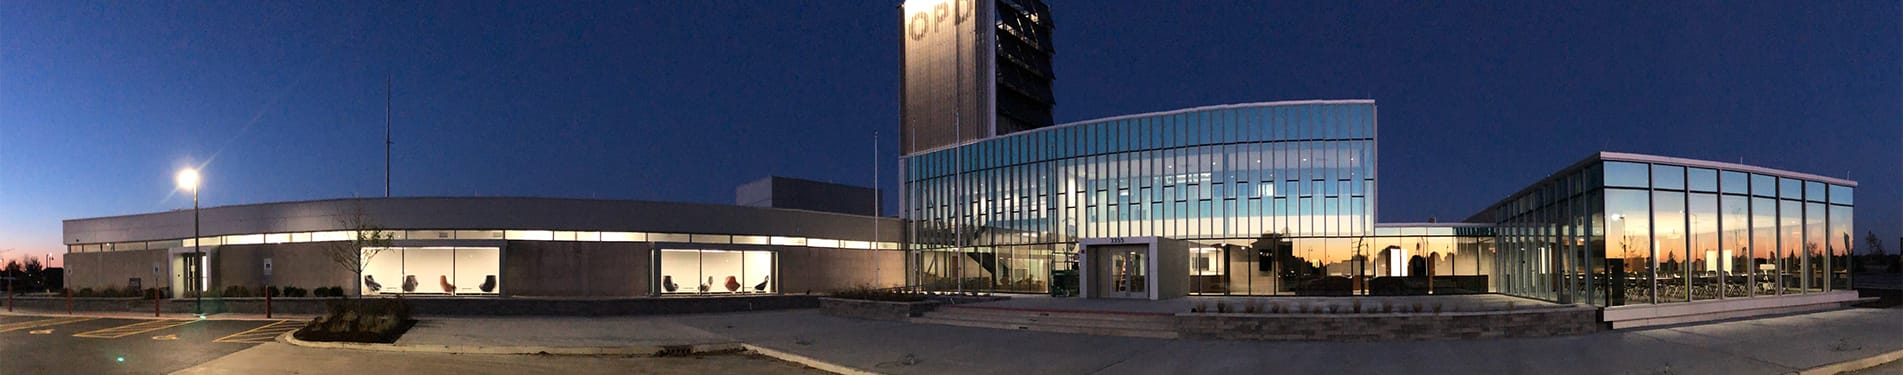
x,y
1774,345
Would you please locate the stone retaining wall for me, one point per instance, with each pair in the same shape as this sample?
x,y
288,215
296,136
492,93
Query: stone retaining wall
x,y
874,310
1568,320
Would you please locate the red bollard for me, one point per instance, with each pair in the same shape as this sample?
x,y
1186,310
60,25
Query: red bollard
x,y
69,301
155,302
267,302
9,295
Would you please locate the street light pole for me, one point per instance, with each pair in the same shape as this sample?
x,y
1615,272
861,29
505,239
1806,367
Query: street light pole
x,y
188,179
198,260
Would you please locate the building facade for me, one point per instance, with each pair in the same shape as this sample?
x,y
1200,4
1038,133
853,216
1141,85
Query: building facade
x,y
1626,229
1279,198
490,246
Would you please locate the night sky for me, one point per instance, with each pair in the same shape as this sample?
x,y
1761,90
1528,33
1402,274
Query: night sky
x,y
101,103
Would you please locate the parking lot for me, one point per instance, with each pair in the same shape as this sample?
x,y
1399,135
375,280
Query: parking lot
x,y
60,344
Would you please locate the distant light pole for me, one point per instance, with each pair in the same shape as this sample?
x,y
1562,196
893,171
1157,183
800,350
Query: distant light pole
x,y
188,179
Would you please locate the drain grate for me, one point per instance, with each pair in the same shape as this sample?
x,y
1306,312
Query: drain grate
x,y
674,350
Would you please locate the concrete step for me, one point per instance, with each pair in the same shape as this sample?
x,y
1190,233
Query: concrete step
x,y
1053,328
1081,320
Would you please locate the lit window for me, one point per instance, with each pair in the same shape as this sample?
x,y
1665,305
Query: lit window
x,y
623,236
531,235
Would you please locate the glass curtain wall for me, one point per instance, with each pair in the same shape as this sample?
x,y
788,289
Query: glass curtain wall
x,y
1659,233
710,271
983,214
432,270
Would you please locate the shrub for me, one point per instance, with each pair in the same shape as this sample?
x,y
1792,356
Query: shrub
x,y
320,292
134,292
236,291
875,294
379,320
273,291
1253,307
295,292
85,292
336,291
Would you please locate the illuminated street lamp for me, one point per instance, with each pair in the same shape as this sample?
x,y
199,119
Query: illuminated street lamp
x,y
188,180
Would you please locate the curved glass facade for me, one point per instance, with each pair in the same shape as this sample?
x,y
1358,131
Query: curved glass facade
x,y
1002,212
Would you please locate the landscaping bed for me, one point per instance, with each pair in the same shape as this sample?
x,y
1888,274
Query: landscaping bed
x,y
876,304
875,310
377,320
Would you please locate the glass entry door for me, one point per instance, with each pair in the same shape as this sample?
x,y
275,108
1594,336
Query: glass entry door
x,y
1124,272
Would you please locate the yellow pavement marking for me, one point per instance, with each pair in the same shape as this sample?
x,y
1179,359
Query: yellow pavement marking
x,y
47,331
262,334
134,328
166,337
15,326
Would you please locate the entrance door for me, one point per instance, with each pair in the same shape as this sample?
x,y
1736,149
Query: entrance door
x,y
1123,271
185,267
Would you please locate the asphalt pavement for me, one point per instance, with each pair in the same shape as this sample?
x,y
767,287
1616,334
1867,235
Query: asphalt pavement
x,y
81,345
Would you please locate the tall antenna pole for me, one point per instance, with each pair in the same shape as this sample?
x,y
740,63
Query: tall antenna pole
x,y
876,212
386,134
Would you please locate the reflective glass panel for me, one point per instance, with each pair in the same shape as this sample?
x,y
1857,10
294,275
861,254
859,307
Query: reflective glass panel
x,y
1629,252
1734,182
1700,179
1668,215
1624,174
1668,177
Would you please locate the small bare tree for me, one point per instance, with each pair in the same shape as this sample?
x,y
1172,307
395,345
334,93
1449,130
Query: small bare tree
x,y
367,240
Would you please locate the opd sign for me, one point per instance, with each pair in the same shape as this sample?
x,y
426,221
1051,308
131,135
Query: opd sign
x,y
928,18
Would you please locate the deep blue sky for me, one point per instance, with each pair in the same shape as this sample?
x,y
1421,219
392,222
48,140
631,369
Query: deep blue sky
x,y
101,102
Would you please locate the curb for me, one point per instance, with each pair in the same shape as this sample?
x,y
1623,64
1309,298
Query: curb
x,y
1854,364
808,361
640,350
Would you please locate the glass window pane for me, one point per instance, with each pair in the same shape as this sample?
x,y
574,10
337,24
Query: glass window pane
x,y
1763,250
1842,194
1623,174
1706,262
1735,227
681,272
1763,186
1790,240
1814,191
1790,188
1668,177
1842,243
1668,232
1700,179
1816,262
1628,253
478,270
1735,182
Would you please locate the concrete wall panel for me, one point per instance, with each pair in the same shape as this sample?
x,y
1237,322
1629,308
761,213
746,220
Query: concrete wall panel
x,y
824,270
104,270
593,269
302,265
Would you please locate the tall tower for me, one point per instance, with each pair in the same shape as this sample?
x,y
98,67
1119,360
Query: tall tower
x,y
973,69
